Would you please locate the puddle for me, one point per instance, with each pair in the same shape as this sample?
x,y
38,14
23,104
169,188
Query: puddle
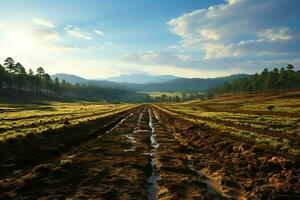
x,y
116,126
130,149
130,138
153,142
213,187
153,189
156,116
140,119
148,154
137,128
150,123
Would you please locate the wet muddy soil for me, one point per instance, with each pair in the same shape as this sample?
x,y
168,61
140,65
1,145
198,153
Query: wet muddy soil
x,y
144,153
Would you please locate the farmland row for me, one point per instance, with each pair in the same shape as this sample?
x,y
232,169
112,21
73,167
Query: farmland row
x,y
41,123
138,158
232,166
150,153
280,139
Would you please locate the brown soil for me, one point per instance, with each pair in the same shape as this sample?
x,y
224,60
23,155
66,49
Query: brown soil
x,y
143,153
295,139
244,170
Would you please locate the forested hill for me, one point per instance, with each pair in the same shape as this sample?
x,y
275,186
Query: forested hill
x,y
277,79
124,78
188,84
70,78
177,84
15,78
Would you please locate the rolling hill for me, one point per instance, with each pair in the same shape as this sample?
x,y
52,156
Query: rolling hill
x,y
69,78
173,85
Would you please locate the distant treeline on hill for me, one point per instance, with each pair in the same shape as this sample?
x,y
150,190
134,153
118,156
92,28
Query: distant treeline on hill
x,y
13,76
283,79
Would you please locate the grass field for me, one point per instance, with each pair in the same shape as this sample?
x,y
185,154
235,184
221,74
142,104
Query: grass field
x,y
20,120
169,94
248,117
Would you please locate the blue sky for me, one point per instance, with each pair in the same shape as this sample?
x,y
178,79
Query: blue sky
x,y
191,38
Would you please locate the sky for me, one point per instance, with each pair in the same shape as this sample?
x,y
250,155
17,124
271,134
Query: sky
x,y
188,38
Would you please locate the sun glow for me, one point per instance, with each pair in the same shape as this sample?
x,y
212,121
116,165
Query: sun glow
x,y
19,40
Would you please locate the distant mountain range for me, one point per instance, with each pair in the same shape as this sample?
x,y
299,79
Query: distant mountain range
x,y
141,78
124,78
146,83
69,78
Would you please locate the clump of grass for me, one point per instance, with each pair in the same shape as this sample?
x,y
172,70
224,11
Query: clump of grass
x,y
65,162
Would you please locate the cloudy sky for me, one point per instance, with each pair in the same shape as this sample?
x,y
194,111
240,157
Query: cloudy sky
x,y
191,38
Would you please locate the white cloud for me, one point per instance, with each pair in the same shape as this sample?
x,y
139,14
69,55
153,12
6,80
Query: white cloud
x,y
45,35
99,32
275,34
230,2
53,37
149,56
174,47
50,40
43,22
220,60
61,47
224,30
178,60
146,58
181,64
76,32
213,51
209,34
96,47
232,37
184,57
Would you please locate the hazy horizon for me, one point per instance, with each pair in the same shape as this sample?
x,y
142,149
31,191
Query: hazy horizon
x,y
193,39
142,74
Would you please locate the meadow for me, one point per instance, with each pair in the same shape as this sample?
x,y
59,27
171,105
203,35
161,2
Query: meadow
x,y
169,94
19,120
267,119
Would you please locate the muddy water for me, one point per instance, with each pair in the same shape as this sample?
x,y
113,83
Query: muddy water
x,y
213,187
156,116
130,136
118,124
153,189
131,140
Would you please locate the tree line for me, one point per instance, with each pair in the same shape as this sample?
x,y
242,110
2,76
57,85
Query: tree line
x,y
14,77
277,79
176,98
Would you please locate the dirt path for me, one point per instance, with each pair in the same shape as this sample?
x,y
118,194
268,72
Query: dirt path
x,y
141,157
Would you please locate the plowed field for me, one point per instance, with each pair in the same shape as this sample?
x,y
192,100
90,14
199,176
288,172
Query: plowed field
x,y
144,152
